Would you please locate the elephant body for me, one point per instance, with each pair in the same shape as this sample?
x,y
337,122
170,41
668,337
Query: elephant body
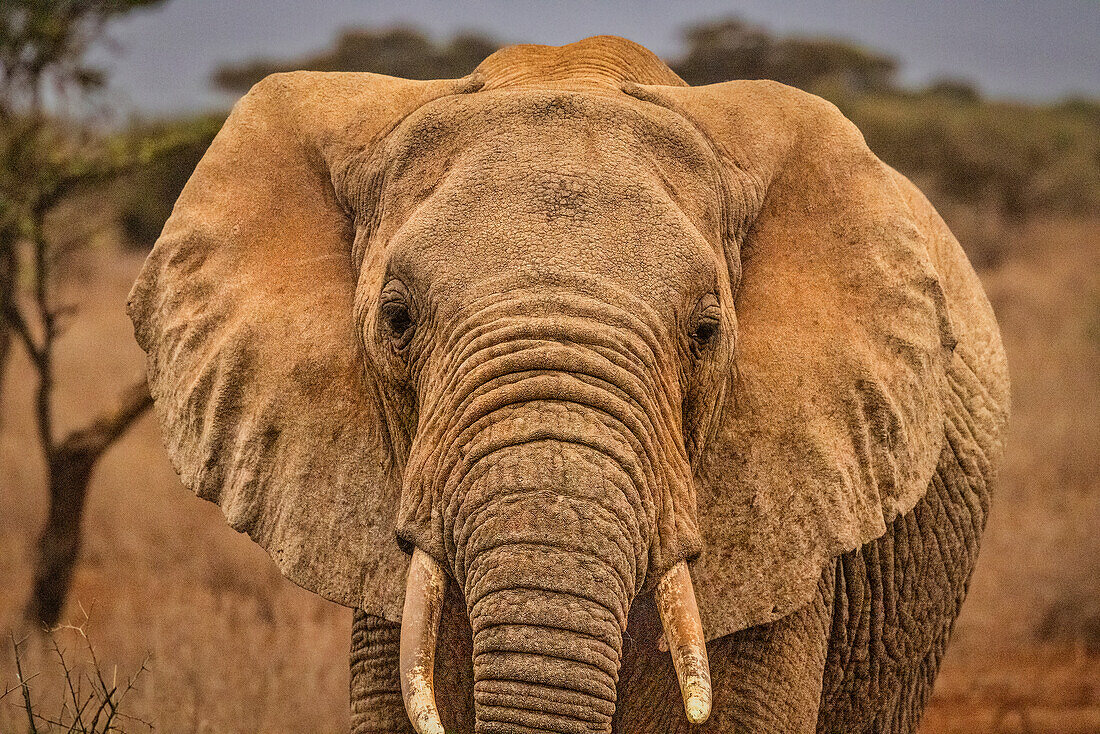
x,y
608,403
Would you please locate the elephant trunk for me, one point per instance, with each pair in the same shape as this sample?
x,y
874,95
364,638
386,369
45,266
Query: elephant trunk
x,y
515,642
550,561
545,659
550,550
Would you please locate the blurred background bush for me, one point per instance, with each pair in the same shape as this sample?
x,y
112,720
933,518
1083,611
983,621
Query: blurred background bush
x,y
234,646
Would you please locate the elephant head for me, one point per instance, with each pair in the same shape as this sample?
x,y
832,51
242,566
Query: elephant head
x,y
552,332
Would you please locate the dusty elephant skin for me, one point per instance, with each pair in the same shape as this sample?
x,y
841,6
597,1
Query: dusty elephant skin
x,y
554,330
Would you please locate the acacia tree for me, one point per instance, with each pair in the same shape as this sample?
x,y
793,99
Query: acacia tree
x,y
46,156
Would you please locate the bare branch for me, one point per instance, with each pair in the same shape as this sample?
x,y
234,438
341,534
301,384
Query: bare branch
x,y
70,465
23,684
13,317
7,290
98,436
46,317
77,708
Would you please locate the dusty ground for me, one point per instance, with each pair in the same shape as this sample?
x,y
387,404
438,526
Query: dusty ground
x,y
236,648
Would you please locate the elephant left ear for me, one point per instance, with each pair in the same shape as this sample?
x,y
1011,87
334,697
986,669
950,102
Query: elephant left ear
x,y
270,404
833,418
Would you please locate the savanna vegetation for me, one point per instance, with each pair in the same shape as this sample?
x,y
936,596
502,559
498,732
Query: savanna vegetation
x,y
197,618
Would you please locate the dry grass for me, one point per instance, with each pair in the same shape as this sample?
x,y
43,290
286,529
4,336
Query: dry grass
x,y
1044,690
1026,651
234,647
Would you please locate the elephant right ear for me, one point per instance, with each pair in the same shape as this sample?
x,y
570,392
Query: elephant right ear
x,y
834,417
268,403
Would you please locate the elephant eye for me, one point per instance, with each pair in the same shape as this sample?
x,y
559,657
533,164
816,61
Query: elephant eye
x,y
708,325
397,322
706,331
705,334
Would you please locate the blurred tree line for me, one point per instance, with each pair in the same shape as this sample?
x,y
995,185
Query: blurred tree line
x,y
1007,160
716,52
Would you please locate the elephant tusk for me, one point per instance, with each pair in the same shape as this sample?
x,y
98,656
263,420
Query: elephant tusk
x,y
684,633
419,628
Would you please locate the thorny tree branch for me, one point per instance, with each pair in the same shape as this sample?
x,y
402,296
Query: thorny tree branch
x,y
23,684
81,712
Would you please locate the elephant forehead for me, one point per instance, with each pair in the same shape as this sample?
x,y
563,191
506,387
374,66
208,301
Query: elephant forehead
x,y
568,145
598,61
607,217
549,182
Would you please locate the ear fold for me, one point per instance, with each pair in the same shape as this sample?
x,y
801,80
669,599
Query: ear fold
x,y
833,422
267,402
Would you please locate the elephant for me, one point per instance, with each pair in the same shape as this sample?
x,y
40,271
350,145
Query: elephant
x,y
608,403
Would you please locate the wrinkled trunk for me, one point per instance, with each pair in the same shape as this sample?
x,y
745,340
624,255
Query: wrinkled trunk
x,y
549,575
544,660
553,465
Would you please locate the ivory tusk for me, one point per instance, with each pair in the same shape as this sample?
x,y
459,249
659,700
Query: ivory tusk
x,y
684,633
419,628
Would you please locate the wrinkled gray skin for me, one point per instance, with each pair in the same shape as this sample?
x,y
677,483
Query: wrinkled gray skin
x,y
560,326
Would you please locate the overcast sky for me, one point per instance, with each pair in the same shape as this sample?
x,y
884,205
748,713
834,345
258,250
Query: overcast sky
x,y
1031,49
